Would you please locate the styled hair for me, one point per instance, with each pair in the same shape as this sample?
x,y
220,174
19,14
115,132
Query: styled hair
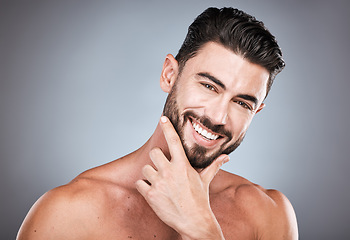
x,y
237,31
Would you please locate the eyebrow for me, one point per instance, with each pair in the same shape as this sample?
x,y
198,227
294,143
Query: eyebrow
x,y
213,79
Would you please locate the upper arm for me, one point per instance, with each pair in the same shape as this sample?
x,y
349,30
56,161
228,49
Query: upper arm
x,y
54,216
281,223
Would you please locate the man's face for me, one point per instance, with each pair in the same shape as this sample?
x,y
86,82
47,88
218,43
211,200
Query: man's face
x,y
213,102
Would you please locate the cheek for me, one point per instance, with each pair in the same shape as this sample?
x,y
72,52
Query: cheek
x,y
191,98
240,122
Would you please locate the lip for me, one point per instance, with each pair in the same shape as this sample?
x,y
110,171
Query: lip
x,y
199,138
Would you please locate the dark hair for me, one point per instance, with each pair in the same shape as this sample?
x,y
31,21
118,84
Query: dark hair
x,y
235,30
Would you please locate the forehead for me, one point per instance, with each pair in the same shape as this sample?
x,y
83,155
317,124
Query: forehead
x,y
237,73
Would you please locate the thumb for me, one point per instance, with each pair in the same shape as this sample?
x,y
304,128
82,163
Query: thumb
x,y
209,172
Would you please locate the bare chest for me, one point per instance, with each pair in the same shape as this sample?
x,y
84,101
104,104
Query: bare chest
x,y
136,220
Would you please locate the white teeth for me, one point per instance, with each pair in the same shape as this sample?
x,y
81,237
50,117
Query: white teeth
x,y
204,132
209,135
196,127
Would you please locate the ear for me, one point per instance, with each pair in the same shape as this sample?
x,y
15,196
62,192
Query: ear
x,y
262,105
169,73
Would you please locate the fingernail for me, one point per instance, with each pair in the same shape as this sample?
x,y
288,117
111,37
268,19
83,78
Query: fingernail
x,y
163,119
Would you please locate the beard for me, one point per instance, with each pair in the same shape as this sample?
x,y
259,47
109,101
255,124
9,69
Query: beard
x,y
197,155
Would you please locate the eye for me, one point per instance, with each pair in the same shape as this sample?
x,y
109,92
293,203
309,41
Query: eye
x,y
208,86
244,105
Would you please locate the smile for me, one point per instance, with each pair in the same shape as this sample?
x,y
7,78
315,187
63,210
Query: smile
x,y
203,132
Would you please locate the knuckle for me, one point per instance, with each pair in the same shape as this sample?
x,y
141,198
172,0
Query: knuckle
x,y
158,185
151,195
166,174
173,139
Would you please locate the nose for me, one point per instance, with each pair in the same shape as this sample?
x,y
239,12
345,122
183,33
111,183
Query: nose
x,y
217,111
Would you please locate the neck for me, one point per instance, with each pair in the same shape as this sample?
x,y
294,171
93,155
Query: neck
x,y
139,158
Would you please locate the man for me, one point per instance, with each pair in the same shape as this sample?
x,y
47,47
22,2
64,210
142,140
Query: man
x,y
171,187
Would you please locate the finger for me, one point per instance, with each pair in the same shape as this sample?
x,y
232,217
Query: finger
x,y
158,158
209,172
142,187
174,143
149,173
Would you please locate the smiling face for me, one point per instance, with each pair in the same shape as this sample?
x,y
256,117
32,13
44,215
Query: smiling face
x,y
212,101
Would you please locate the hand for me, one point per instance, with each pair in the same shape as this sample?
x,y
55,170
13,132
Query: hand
x,y
177,193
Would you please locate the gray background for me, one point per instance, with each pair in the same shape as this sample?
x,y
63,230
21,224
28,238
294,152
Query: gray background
x,y
80,87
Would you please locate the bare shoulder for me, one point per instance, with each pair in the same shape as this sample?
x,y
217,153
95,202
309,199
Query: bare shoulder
x,y
282,219
267,209
72,211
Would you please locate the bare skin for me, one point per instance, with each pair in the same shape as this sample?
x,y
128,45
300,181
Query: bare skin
x,y
114,201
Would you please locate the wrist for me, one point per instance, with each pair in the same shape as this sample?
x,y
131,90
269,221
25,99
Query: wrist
x,y
208,229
